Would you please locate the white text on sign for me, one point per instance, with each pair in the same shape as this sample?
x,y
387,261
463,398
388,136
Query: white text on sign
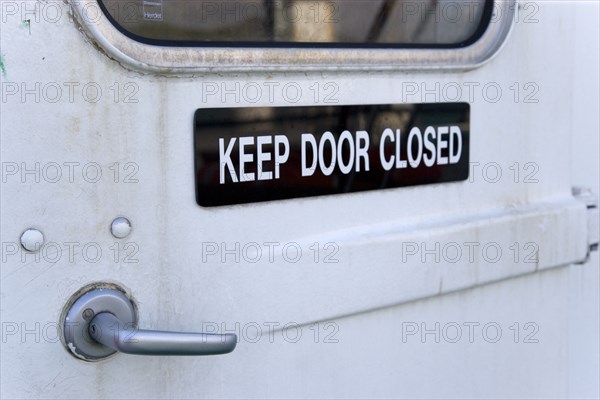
x,y
432,146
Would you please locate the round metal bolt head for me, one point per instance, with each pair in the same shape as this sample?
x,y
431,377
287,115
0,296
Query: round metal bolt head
x,y
120,227
88,313
32,240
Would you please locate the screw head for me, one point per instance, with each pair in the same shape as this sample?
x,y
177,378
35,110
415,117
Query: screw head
x,y
88,313
32,240
120,227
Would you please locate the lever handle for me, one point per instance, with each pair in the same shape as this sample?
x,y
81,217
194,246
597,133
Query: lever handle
x,y
103,321
112,332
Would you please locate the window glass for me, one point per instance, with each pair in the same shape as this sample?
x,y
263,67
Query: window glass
x,y
302,23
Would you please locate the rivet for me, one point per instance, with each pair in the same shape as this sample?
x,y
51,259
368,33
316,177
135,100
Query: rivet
x,y
32,240
120,227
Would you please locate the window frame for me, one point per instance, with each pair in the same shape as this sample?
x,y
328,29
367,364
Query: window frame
x,y
185,60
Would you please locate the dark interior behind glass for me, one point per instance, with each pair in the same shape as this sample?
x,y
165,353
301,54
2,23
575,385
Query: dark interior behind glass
x,y
302,23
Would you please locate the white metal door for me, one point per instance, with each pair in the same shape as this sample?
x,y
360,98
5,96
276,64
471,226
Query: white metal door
x,y
444,290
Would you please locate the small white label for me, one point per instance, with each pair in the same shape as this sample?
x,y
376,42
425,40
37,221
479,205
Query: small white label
x,y
153,10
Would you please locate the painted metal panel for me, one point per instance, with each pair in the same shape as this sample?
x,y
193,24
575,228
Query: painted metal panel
x,y
122,143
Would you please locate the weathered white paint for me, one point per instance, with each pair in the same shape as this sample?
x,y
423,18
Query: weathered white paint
x,y
175,289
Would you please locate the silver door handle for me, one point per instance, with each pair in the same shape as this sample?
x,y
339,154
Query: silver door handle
x,y
103,321
112,332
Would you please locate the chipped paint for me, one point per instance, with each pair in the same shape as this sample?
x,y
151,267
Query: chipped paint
x,y
2,66
75,353
27,24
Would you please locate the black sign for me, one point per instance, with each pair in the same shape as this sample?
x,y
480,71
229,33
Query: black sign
x,y
245,155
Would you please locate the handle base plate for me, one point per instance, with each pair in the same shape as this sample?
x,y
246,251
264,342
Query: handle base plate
x,y
77,319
